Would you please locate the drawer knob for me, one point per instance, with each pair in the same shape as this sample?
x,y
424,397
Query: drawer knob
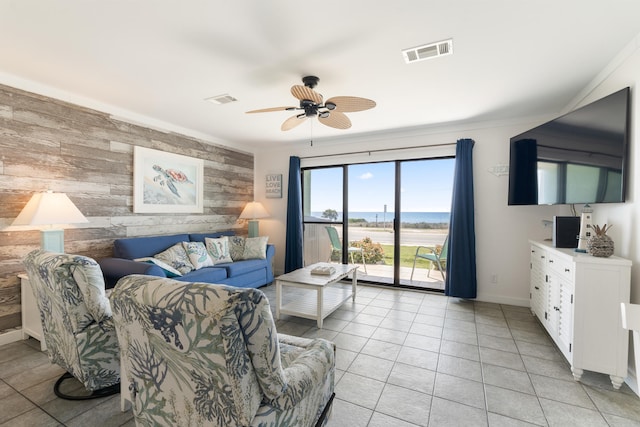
x,y
566,270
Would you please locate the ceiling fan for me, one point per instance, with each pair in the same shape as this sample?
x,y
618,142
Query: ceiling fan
x,y
330,113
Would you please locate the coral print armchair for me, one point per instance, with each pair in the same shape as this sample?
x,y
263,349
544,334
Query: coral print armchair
x,y
76,321
197,354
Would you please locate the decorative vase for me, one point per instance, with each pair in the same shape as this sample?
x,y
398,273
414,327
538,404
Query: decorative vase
x,y
600,245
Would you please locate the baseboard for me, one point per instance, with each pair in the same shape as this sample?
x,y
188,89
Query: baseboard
x,y
632,382
10,336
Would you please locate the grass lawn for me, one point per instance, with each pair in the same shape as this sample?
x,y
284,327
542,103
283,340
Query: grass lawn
x,y
407,253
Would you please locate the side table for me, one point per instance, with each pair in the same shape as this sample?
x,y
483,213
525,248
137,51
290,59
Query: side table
x,y
31,324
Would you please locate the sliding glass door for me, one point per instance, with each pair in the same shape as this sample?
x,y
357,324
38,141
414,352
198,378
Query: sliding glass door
x,y
371,203
425,204
391,218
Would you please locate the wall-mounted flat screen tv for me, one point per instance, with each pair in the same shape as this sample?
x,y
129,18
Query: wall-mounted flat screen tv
x,y
578,158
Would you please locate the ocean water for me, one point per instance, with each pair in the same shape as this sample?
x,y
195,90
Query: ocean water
x,y
411,217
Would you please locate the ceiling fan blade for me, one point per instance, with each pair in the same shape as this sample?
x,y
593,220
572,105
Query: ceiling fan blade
x,y
293,121
266,110
350,104
336,120
303,92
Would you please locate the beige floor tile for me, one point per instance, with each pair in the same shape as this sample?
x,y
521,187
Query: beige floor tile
x,y
371,367
403,358
405,404
564,415
382,349
446,413
459,390
346,414
359,390
521,406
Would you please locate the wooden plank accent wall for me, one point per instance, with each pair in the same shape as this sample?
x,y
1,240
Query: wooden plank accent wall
x,y
49,144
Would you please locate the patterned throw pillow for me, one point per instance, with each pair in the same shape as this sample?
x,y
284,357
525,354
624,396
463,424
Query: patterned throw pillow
x,y
218,249
168,270
255,248
177,258
198,254
236,247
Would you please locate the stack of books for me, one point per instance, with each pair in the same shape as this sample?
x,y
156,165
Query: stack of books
x,y
323,271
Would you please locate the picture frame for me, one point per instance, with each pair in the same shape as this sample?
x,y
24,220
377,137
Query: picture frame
x,y
273,186
166,183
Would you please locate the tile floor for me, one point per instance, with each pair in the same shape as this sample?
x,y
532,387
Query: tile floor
x,y
405,358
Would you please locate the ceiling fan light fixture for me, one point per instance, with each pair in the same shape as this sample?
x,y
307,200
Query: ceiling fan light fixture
x,y
330,113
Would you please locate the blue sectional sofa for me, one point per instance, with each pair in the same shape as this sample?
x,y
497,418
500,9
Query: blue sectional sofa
x,y
251,273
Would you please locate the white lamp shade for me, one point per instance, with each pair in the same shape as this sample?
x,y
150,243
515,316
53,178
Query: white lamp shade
x,y
49,208
254,210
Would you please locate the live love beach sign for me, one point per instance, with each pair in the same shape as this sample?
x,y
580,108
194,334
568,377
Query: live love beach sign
x,y
273,188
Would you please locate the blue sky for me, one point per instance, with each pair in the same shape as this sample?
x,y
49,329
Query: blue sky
x,y
426,187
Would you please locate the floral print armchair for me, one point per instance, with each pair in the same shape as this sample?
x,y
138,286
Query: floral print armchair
x,y
197,354
76,320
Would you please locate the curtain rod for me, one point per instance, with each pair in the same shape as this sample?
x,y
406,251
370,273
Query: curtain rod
x,y
378,151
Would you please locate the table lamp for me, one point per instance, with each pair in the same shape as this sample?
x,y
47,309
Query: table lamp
x,y
49,208
252,212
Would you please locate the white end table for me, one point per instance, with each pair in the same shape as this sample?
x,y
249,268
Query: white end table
x,y
31,324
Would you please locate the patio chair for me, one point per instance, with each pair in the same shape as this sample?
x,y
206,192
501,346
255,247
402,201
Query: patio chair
x,y
336,245
432,255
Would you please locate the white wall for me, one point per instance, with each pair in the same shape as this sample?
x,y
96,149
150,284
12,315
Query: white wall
x,y
624,71
502,232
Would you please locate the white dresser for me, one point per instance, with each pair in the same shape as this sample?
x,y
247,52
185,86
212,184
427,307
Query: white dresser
x,y
577,299
31,324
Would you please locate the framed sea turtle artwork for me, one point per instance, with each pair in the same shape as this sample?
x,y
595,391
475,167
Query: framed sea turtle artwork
x,y
166,182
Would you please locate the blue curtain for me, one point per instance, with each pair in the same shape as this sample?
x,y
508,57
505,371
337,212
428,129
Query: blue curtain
x,y
461,263
293,251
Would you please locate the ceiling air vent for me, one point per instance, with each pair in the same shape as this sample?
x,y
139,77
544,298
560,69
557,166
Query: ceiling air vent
x,y
221,99
428,51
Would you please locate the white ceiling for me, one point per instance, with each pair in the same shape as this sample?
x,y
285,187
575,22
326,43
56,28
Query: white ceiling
x,y
157,60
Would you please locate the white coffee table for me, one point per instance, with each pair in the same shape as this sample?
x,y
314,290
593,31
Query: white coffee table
x,y
327,299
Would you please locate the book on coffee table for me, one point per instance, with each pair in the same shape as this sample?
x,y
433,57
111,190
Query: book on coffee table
x,y
323,271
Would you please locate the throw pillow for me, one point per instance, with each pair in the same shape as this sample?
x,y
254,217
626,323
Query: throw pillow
x,y
236,247
198,254
255,248
168,270
218,249
177,258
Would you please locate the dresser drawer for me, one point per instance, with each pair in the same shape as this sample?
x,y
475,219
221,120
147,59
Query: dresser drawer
x,y
562,266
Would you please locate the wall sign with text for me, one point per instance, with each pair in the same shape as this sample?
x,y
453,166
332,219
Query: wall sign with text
x,y
273,188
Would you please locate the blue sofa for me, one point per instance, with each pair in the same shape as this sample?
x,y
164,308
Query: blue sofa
x,y
251,273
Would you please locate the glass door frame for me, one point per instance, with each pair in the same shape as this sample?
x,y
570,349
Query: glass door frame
x,y
396,220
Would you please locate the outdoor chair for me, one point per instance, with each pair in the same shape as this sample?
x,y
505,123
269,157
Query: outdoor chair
x,y
197,354
432,255
76,321
336,245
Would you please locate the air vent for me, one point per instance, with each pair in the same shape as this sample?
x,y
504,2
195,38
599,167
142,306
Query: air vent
x,y
221,99
428,51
